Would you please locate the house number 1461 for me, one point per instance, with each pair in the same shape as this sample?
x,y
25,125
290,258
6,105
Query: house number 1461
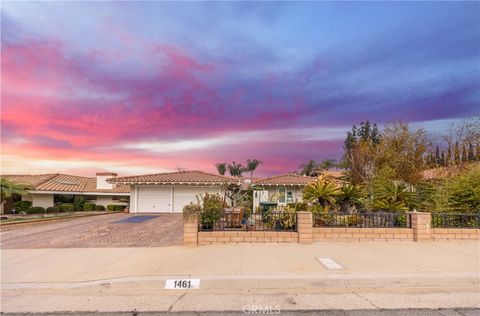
x,y
182,284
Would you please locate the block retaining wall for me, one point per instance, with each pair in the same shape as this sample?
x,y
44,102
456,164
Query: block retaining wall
x,y
306,233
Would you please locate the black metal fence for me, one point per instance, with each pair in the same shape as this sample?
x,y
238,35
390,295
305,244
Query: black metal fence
x,y
243,221
452,220
367,220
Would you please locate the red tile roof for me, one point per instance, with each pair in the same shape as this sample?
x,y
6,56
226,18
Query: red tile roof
x,y
180,177
63,183
285,179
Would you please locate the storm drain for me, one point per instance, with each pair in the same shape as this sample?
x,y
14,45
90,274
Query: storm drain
x,y
330,264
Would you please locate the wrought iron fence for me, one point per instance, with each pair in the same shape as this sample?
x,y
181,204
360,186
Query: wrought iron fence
x,y
243,221
368,220
452,220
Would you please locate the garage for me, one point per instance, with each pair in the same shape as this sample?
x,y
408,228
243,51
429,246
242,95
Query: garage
x,y
170,192
155,199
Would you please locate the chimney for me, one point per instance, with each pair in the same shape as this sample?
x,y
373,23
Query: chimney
x,y
102,180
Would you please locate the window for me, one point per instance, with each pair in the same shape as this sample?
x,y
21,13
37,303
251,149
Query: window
x,y
90,197
289,197
281,195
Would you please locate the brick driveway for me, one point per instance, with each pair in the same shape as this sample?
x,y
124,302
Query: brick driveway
x,y
98,231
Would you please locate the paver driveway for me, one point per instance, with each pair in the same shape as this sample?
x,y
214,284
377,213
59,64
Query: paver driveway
x,y
98,231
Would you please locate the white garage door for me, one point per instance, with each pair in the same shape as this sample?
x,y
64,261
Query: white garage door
x,y
155,199
187,194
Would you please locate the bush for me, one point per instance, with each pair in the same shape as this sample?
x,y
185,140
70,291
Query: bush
x,y
99,208
78,203
36,210
298,207
53,209
88,207
213,206
115,207
22,206
463,192
66,207
191,211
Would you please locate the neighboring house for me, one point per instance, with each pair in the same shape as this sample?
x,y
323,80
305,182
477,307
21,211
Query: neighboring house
x,y
47,188
283,189
170,192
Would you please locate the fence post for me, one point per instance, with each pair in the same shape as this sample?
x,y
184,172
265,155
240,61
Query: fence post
x,y
421,224
190,231
305,227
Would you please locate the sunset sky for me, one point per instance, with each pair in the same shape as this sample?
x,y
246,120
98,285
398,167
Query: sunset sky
x,y
149,87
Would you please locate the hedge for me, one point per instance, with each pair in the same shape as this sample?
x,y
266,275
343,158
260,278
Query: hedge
x,y
99,208
116,208
22,206
88,206
36,210
53,209
66,207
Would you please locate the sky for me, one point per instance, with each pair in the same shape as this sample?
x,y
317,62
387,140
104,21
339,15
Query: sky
x,y
146,87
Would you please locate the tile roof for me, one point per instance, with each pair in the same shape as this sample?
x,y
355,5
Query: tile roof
x,y
285,179
63,183
180,177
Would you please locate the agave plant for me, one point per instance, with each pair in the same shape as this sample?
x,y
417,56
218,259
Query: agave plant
x,y
322,191
350,195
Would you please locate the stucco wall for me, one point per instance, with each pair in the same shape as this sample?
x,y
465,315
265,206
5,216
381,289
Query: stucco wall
x,y
43,200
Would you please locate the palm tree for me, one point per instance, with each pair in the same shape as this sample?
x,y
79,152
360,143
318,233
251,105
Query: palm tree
x,y
322,191
350,194
235,169
393,196
221,168
252,166
308,168
8,188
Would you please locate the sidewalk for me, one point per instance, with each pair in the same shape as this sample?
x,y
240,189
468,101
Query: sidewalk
x,y
375,275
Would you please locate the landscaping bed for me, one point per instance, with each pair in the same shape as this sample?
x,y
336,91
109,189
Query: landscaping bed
x,y
18,219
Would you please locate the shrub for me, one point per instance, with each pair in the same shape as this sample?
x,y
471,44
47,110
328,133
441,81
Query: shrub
x,y
115,207
88,207
36,210
22,206
78,203
53,209
99,208
191,211
298,207
212,209
66,207
463,192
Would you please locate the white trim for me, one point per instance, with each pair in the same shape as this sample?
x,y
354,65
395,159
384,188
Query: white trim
x,y
75,193
136,199
172,199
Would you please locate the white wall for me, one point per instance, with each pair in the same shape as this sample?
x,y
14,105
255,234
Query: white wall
x,y
102,182
43,200
272,190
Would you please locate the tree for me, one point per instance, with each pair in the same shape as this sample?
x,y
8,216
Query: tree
x,y
236,169
322,191
252,166
221,168
464,154
456,154
307,169
442,159
401,151
437,156
327,164
477,151
360,152
8,189
448,158
471,153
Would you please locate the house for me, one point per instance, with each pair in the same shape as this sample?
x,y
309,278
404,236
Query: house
x,y
283,189
170,192
47,189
